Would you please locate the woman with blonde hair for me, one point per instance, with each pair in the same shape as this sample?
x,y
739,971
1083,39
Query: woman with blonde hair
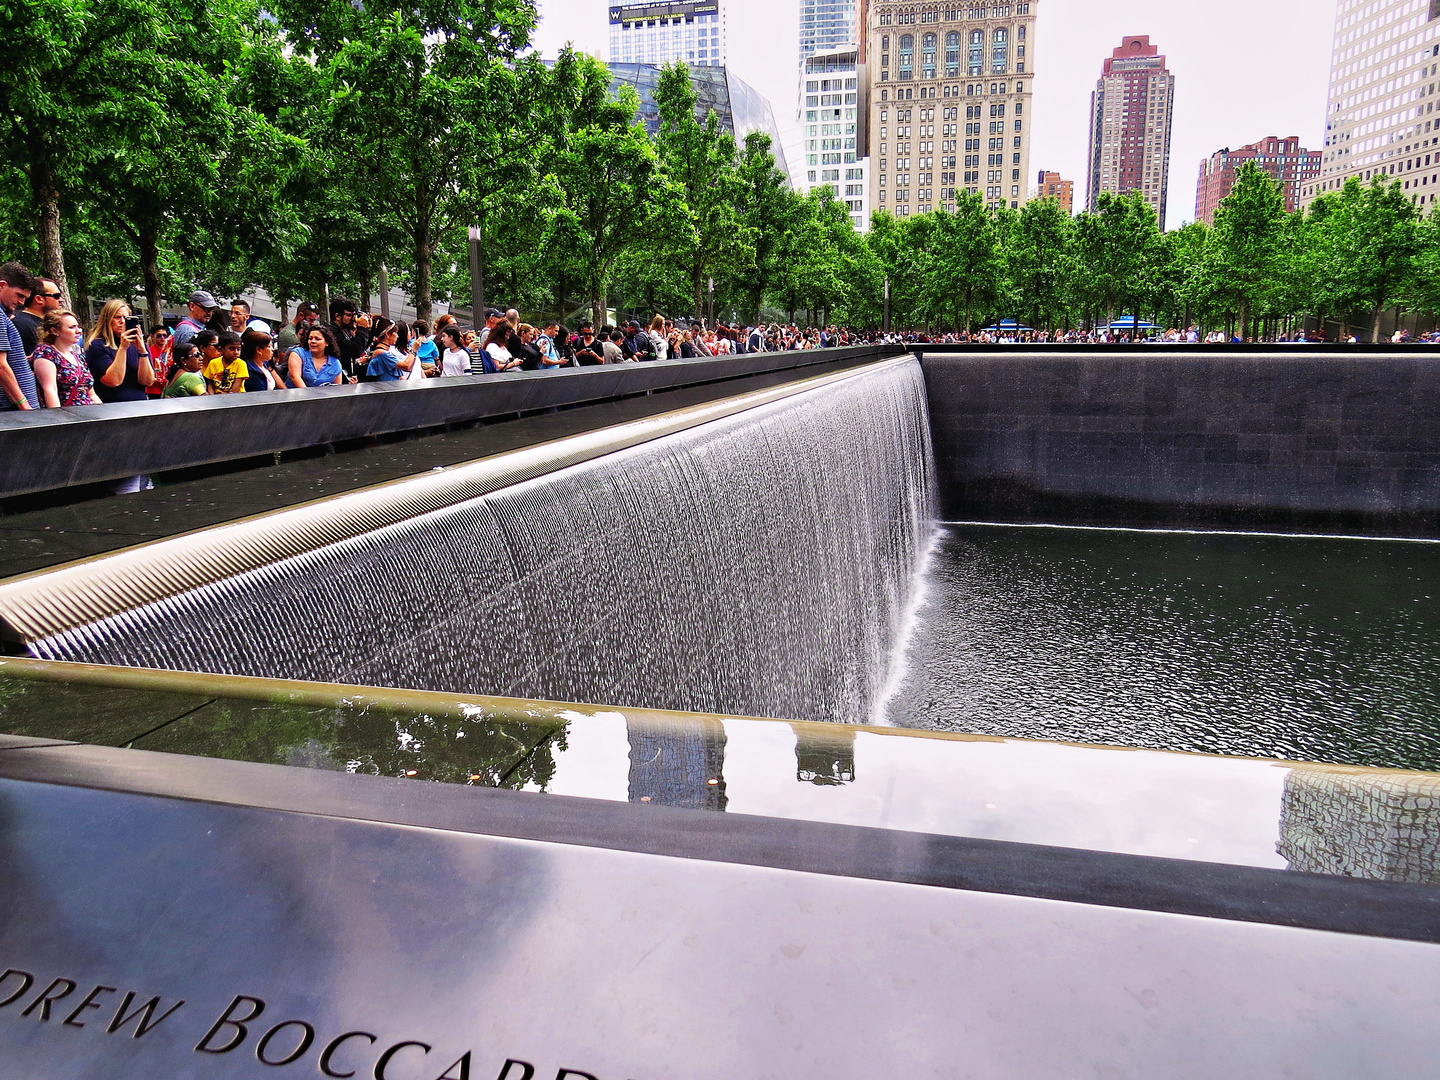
x,y
60,370
657,338
116,355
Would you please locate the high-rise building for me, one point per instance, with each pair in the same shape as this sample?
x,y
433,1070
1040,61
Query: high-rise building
x,y
826,25
1050,185
1284,159
1381,118
950,103
662,33
1131,112
831,96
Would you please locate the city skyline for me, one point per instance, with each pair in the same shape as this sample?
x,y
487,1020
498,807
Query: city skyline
x,y
1219,102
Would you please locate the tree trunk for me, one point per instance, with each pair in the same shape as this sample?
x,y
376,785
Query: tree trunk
x,y
1375,334
697,280
82,299
365,290
45,193
1244,320
150,270
423,256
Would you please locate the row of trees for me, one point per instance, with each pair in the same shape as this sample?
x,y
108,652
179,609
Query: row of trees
x,y
313,145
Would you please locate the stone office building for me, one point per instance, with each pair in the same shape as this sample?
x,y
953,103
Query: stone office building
x,y
1381,118
950,103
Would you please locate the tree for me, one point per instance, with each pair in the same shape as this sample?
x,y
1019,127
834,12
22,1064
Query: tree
x,y
1037,257
419,101
1368,243
80,78
768,209
959,260
701,160
1243,253
609,191
1117,246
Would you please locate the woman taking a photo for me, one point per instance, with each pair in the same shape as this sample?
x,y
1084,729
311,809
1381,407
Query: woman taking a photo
x,y
117,357
61,373
317,362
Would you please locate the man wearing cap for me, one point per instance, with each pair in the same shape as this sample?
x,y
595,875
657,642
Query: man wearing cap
x,y
202,308
292,333
493,316
353,337
636,345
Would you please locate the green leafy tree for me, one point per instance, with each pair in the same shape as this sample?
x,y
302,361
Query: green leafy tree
x,y
1037,256
701,159
959,259
1367,245
1243,255
1117,246
414,99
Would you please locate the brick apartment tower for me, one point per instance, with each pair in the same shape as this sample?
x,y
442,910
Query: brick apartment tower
x,y
1051,185
1131,112
1284,159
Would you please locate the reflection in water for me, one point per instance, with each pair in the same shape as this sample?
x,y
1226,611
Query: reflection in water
x,y
1382,826
1305,648
678,766
822,757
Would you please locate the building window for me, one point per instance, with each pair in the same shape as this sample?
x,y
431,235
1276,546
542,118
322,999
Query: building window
x,y
952,56
907,56
1000,52
927,56
977,52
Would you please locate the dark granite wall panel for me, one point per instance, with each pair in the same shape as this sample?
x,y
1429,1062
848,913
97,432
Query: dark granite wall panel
x,y
1189,438
54,448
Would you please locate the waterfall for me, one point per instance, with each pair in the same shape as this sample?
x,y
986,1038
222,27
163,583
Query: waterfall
x,y
756,564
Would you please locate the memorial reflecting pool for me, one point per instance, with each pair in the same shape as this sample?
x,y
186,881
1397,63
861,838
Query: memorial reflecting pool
x,y
1313,648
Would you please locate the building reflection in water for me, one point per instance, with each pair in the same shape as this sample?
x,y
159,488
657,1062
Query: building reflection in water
x,y
1361,823
823,757
677,766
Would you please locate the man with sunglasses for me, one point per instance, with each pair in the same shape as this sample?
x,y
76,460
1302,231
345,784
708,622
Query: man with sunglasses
x,y
28,320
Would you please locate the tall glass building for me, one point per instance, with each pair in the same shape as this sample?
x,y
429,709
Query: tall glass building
x,y
825,25
739,106
661,33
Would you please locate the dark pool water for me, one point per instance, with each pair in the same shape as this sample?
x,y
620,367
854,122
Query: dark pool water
x,y
1314,648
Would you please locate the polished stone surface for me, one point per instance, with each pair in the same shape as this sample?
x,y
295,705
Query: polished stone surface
x,y
1359,822
1342,441
445,947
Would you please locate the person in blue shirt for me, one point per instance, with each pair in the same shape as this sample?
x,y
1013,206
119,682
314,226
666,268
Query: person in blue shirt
x,y
317,363
17,377
387,363
428,351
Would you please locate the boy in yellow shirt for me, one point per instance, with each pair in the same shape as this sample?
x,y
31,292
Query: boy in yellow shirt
x,y
226,373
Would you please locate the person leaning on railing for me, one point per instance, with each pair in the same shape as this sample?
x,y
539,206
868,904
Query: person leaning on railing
x,y
317,362
63,376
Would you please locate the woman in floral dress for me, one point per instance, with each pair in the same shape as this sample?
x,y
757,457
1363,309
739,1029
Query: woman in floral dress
x,y
61,372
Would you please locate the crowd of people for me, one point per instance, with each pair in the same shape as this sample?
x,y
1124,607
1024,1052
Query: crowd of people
x,y
49,360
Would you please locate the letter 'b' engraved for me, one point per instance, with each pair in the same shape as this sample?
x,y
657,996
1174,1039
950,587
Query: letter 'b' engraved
x,y
335,1044
26,981
257,1007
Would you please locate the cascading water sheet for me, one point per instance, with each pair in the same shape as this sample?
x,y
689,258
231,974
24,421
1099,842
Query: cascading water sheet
x,y
756,564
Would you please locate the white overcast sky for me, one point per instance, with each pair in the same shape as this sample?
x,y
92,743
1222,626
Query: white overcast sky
x,y
1244,69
